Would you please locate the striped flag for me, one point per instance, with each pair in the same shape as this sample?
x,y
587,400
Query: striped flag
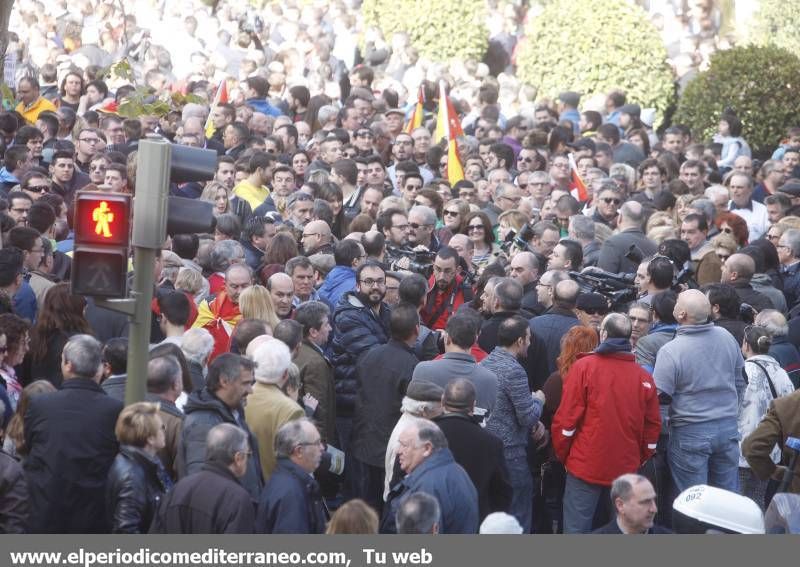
x,y
221,97
416,116
576,185
448,127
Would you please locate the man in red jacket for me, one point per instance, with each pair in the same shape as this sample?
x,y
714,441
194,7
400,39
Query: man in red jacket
x,y
447,290
607,424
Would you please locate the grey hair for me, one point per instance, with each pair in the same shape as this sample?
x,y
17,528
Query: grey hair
x,y
272,361
792,236
427,213
289,436
716,191
623,486
539,177
326,113
706,207
85,353
418,408
774,321
582,226
222,252
633,212
223,442
417,513
197,345
429,432
617,326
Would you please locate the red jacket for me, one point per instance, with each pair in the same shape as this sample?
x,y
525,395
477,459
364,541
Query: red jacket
x,y
608,421
439,305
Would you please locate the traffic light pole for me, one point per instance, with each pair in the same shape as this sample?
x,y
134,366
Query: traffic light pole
x,y
149,232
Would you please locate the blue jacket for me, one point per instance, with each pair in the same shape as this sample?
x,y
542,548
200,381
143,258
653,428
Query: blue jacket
x,y
24,302
440,476
787,356
356,329
291,503
263,106
339,280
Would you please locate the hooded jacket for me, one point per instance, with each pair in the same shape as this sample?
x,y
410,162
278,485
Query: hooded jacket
x,y
356,329
339,280
203,411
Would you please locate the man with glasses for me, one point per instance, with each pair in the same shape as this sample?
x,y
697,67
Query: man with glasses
x,y
212,501
789,257
360,322
402,150
422,221
291,502
317,238
89,143
19,203
560,173
393,223
412,185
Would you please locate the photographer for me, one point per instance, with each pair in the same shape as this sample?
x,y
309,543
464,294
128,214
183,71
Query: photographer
x,y
653,276
393,223
447,290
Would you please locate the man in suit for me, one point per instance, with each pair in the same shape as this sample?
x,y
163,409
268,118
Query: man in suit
x,y
71,449
475,449
612,253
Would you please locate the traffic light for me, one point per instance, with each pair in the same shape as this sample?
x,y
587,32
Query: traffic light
x,y
102,237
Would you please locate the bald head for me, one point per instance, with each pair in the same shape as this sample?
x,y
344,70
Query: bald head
x,y
692,308
740,267
631,214
319,227
566,293
459,396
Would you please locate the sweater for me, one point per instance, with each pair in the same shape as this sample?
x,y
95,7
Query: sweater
x,y
515,410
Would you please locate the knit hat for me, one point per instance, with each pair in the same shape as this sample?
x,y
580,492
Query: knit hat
x,y
592,302
423,391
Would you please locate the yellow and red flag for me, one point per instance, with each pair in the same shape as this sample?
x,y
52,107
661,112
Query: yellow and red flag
x,y
416,116
221,97
576,185
448,127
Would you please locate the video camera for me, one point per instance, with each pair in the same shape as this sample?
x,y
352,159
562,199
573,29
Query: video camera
x,y
519,240
251,23
420,261
619,289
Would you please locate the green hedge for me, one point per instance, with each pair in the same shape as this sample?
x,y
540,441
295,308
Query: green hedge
x,y
594,46
776,22
439,29
759,83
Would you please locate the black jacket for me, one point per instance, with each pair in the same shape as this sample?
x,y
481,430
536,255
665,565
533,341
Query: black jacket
x,y
612,528
210,501
535,363
754,298
481,455
71,451
203,411
291,502
530,300
13,496
383,376
133,491
549,327
356,330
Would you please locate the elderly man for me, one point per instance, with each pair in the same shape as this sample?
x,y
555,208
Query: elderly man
x,y
581,229
742,203
418,513
31,103
525,269
559,295
220,315
269,408
612,253
164,385
317,238
703,406
291,502
634,501
299,209
607,423
789,257
316,372
281,291
212,501
430,467
62,437
781,349
422,222
229,383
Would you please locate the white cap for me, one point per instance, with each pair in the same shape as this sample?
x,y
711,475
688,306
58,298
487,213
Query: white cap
x,y
500,523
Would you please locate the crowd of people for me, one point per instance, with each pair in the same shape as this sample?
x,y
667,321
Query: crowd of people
x,y
593,319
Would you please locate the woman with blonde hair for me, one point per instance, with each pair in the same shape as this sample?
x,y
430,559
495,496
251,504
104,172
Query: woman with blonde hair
x,y
137,480
192,282
256,303
354,517
508,221
218,195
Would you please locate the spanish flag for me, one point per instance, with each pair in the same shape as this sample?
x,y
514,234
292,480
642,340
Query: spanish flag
x,y
448,127
221,97
576,186
416,117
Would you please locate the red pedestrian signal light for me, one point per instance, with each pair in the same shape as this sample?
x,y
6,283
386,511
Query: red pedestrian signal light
x,y
102,218
102,238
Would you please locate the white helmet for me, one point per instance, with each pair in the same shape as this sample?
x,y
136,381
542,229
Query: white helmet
x,y
702,508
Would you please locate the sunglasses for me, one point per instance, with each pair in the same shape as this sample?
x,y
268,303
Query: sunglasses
x,y
595,311
474,227
608,201
37,188
417,226
451,213
727,230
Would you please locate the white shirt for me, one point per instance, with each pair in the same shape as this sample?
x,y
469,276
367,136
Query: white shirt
x,y
756,218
